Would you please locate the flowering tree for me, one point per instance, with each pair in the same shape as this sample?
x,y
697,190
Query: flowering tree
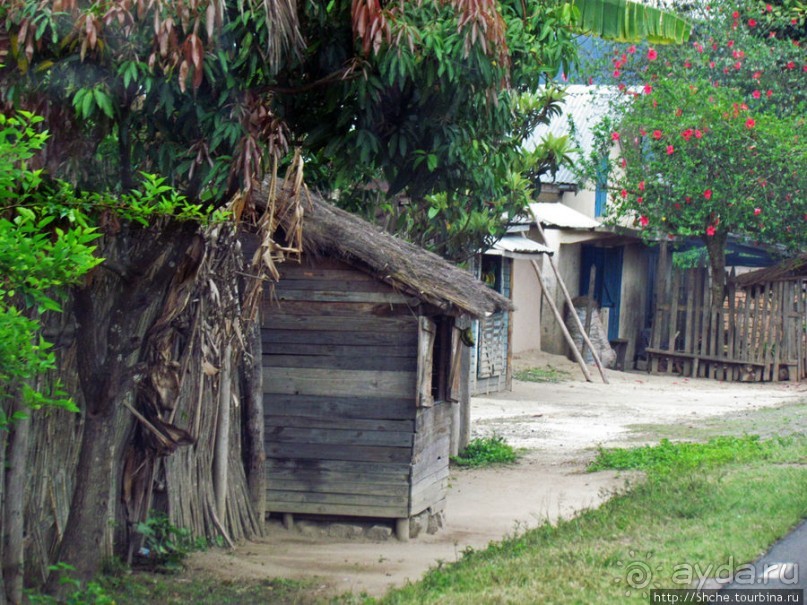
x,y
711,136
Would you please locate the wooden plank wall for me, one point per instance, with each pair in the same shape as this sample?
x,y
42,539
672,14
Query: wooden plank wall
x,y
430,458
757,335
340,362
489,371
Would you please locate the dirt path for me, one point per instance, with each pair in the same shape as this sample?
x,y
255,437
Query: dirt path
x,y
560,424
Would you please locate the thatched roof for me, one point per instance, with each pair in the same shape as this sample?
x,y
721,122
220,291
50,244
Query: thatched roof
x,y
785,270
330,231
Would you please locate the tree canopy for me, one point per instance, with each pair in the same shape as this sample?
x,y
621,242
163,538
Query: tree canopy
x,y
413,110
711,136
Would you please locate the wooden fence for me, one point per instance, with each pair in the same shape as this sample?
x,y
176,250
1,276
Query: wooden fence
x,y
758,334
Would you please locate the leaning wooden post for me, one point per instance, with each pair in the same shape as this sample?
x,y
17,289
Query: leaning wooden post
x,y
578,357
592,280
568,297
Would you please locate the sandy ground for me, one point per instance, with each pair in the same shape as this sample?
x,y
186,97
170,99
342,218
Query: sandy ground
x,y
560,426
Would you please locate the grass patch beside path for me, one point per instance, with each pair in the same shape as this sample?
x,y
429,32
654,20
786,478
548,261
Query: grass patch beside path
x,y
184,589
485,451
715,514
545,374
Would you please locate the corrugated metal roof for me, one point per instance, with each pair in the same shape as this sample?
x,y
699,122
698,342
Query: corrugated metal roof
x,y
514,246
560,215
584,106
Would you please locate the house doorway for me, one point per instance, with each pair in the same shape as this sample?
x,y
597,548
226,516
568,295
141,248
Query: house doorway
x,y
608,282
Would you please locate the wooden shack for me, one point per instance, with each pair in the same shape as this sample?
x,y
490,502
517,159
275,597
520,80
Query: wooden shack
x,y
362,358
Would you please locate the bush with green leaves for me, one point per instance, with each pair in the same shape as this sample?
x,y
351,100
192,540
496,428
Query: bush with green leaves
x,y
484,451
165,546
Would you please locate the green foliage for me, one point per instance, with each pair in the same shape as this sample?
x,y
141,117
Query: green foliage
x,y
484,451
47,244
668,456
165,546
40,252
547,374
93,593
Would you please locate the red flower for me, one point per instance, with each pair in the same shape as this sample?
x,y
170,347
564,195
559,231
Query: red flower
x,y
644,221
652,55
757,75
736,14
631,49
768,8
657,134
757,211
687,134
616,73
648,89
614,136
639,200
677,206
756,94
752,23
738,65
624,163
712,64
707,194
769,93
624,194
790,65
679,112
642,131
730,43
710,230
698,134
641,185
750,123
687,64
670,150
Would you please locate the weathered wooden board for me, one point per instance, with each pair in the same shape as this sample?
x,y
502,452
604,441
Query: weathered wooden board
x,y
393,408
425,498
338,422
373,297
315,478
338,362
317,381
386,470
314,349
421,483
359,453
329,508
290,308
329,323
276,495
281,434
387,338
341,486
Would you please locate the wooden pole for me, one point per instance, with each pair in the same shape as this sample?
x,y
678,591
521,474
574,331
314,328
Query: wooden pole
x,y
578,357
568,298
592,280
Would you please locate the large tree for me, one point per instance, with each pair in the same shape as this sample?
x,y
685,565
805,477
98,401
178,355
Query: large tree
x,y
417,98
711,136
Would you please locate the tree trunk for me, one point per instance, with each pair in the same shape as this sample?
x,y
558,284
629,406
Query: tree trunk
x,y
14,505
716,246
114,311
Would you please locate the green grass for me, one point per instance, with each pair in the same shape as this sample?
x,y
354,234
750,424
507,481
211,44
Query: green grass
x,y
484,451
546,374
668,457
707,511
148,589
